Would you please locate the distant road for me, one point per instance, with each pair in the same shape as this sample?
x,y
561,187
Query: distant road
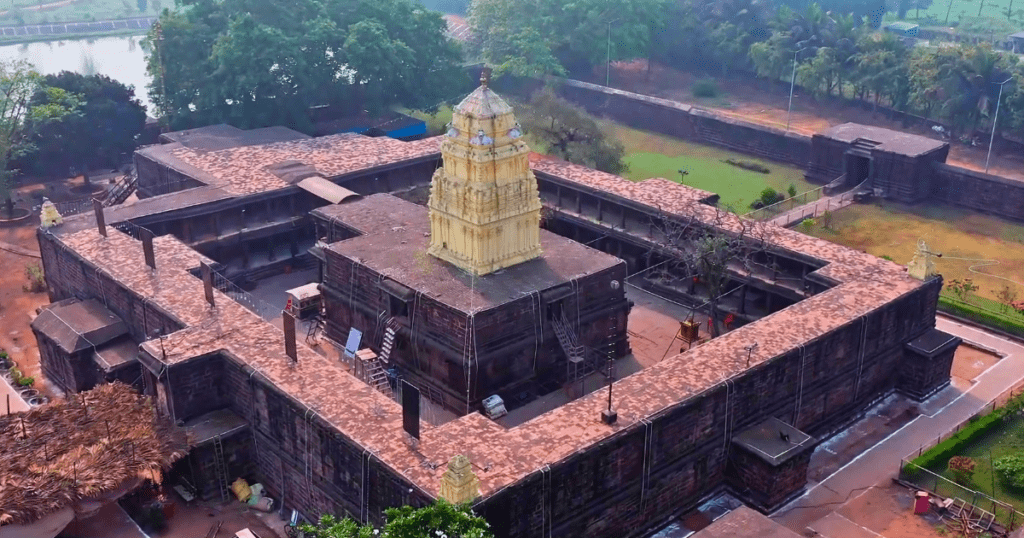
x,y
58,29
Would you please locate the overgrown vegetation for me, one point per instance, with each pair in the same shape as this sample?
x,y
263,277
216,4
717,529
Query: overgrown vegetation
x,y
705,88
36,279
438,520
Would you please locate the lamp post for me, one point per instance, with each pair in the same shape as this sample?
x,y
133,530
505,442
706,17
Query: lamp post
x,y
792,85
608,64
158,34
995,121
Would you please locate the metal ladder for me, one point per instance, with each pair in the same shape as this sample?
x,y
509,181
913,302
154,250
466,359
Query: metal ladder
x,y
575,353
316,327
376,377
220,468
389,342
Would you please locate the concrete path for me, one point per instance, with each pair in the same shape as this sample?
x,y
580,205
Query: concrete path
x,y
14,249
813,209
8,394
938,415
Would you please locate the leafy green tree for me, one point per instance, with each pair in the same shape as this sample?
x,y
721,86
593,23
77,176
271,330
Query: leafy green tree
x,y
433,521
881,68
106,127
569,133
257,63
575,33
18,121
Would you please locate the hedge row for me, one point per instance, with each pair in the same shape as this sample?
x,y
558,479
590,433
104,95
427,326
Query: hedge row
x,y
980,315
937,456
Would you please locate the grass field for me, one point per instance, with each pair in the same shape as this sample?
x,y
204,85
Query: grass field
x,y
78,10
1003,440
992,246
653,155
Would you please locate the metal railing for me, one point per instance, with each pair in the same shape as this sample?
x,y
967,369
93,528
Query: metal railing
x,y
74,207
778,208
1005,514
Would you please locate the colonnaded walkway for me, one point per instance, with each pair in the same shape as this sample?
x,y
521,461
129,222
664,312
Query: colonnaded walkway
x,y
938,415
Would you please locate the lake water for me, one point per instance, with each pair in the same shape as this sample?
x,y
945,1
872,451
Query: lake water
x,y
120,58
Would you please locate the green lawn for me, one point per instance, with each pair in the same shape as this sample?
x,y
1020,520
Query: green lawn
x,y
653,155
1001,441
965,238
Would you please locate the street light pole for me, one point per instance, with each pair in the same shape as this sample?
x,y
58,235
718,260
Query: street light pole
x,y
995,121
608,64
792,85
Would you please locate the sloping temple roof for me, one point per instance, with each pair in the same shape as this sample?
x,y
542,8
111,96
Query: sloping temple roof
x,y
83,448
76,325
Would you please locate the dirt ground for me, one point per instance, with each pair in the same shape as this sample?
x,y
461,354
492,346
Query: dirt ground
x,y
17,307
885,510
968,363
766,103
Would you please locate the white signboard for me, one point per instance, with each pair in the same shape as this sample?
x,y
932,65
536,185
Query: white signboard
x,y
352,345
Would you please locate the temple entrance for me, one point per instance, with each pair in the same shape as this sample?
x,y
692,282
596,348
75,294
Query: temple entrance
x,y
857,168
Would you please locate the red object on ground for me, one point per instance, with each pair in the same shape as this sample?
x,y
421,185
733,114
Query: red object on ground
x,y
921,505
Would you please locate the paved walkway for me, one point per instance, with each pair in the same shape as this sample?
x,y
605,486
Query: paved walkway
x,y
15,249
58,29
8,394
881,462
813,209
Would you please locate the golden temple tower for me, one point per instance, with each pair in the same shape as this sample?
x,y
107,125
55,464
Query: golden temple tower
x,y
484,204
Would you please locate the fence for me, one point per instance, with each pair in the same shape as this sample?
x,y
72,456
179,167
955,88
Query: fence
x,y
769,212
814,209
939,485
921,478
74,207
1016,390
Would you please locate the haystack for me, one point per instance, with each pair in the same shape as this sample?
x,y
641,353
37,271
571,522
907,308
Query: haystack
x,y
70,452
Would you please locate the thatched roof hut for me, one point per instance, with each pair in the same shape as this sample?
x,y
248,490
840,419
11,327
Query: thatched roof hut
x,y
84,448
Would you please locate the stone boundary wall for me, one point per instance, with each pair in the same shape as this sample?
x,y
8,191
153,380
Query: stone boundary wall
x,y
953,185
980,191
665,464
677,119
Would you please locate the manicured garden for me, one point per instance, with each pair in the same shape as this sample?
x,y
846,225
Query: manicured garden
x,y
986,455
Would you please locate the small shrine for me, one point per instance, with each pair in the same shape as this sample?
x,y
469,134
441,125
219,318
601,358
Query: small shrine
x,y
458,484
921,266
49,217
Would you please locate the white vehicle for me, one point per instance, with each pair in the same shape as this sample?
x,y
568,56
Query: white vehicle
x,y
494,407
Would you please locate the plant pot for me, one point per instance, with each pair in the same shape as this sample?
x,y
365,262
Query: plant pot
x,y
36,401
27,393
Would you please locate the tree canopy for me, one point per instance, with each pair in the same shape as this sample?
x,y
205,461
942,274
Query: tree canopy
x,y
569,133
437,520
107,126
530,37
258,63
19,82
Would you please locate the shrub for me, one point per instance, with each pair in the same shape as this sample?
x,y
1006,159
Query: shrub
x,y
36,279
749,165
791,190
705,88
768,196
807,225
887,257
1011,469
940,454
971,312
26,381
962,468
